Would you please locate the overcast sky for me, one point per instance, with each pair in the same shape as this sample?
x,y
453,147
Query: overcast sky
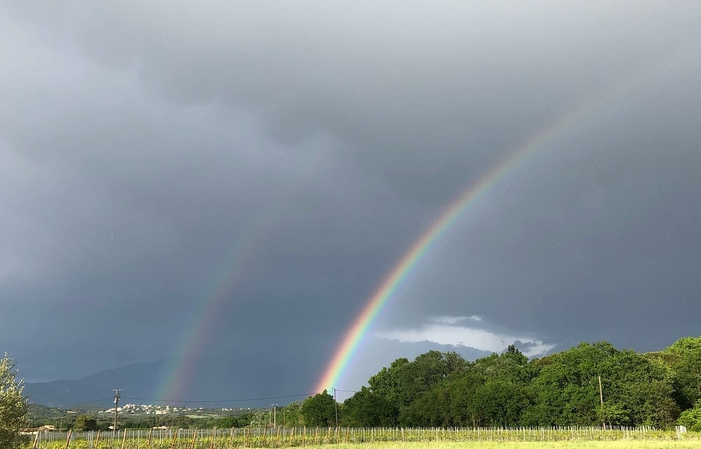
x,y
261,166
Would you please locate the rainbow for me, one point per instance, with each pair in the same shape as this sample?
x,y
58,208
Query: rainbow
x,y
421,246
331,376
179,371
180,368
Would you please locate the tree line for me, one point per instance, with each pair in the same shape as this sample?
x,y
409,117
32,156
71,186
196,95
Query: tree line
x,y
438,389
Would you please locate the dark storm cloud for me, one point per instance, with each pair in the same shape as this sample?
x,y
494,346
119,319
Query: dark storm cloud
x,y
152,152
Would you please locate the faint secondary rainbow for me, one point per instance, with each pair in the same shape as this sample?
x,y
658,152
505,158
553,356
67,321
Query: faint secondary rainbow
x,y
179,371
351,341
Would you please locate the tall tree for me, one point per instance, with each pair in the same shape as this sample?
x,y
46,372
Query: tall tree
x,y
369,409
684,358
13,406
319,410
86,422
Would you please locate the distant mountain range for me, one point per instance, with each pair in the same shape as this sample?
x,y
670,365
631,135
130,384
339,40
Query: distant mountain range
x,y
138,379
221,381
211,384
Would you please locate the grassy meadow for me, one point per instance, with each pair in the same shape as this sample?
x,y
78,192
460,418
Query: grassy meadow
x,y
583,438
575,444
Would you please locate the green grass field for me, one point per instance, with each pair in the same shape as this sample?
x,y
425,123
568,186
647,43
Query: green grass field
x,y
322,438
639,444
646,444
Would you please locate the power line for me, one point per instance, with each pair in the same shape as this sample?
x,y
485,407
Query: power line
x,y
206,401
219,401
117,396
86,403
335,406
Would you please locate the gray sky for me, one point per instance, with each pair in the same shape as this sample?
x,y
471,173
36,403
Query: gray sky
x,y
280,157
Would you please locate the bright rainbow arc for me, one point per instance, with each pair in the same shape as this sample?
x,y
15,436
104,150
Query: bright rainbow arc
x,y
353,337
381,296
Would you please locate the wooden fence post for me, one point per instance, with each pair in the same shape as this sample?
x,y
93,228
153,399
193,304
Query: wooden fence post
x,y
194,438
68,438
175,437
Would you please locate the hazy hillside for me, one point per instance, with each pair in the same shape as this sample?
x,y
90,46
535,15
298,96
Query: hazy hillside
x,y
214,379
138,379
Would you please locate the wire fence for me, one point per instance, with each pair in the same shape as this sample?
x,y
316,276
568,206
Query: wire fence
x,y
267,437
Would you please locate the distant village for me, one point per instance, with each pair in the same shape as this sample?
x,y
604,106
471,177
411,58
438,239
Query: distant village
x,y
148,409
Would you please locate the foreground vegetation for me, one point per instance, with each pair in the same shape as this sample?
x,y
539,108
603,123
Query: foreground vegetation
x,y
588,385
13,405
660,389
595,387
372,438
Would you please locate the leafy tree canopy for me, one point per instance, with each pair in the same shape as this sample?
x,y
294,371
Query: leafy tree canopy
x,y
13,406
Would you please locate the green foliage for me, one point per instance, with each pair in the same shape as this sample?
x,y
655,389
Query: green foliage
x,y
636,390
407,438
85,422
262,418
230,421
501,390
509,390
291,415
684,359
368,409
13,406
691,418
319,410
39,415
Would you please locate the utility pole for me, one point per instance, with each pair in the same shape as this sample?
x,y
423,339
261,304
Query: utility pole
x,y
116,410
601,396
274,415
335,405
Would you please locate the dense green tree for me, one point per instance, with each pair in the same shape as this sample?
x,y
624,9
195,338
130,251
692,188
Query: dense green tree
x,y
565,391
85,422
292,415
637,391
684,359
431,409
369,409
500,403
691,418
388,384
397,388
463,406
13,406
319,410
490,391
427,370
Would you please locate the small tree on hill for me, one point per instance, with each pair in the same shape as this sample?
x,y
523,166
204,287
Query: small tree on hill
x,y
85,422
13,406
